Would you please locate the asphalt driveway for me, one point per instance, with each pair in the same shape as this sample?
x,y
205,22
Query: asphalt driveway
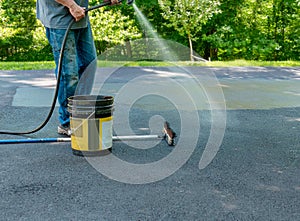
x,y
252,174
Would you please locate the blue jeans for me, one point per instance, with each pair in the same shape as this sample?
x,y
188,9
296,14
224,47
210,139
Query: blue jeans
x,y
79,53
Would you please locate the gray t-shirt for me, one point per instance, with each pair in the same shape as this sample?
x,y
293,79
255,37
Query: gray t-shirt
x,y
55,15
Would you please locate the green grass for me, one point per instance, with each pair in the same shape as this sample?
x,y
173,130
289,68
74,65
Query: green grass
x,y
244,63
40,65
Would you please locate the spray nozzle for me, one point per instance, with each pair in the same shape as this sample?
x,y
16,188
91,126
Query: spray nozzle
x,y
129,2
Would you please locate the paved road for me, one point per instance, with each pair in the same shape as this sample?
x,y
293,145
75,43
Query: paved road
x,y
253,176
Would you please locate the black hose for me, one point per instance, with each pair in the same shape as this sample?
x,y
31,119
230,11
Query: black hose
x,y
59,67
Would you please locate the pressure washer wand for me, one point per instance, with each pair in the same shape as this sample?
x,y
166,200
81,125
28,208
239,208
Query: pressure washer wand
x,y
129,2
97,6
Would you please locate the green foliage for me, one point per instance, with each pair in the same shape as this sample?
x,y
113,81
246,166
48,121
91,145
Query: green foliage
x,y
148,49
18,13
20,36
221,30
188,16
111,28
153,13
253,30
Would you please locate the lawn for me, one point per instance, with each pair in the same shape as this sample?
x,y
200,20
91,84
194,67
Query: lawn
x,y
40,65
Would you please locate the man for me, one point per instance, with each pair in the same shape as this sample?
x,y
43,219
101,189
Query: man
x,y
80,50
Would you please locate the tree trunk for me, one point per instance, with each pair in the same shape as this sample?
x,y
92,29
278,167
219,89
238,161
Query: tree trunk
x,y
128,49
191,48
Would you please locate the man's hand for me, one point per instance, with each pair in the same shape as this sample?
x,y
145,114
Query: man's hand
x,y
76,11
113,2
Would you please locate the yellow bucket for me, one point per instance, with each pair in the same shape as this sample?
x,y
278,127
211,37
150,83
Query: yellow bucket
x,y
91,124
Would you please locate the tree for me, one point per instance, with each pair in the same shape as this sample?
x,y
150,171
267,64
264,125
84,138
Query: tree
x,y
254,30
188,16
110,28
21,37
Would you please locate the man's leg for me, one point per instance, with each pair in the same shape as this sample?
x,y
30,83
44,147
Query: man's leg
x,y
69,71
87,60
